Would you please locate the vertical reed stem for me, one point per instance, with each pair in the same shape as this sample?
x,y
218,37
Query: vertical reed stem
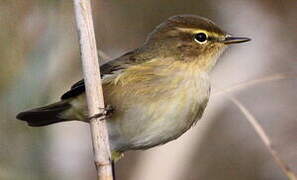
x,y
93,86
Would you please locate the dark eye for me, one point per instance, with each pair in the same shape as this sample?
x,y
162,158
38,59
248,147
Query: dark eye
x,y
200,38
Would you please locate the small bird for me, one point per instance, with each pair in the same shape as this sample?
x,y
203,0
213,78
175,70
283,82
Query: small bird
x,y
157,91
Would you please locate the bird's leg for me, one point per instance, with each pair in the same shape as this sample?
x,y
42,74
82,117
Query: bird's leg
x,y
113,170
107,112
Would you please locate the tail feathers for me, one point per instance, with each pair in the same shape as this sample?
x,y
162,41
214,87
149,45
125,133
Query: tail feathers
x,y
46,115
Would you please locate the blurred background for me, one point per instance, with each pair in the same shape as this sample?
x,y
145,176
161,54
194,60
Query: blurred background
x,y
39,57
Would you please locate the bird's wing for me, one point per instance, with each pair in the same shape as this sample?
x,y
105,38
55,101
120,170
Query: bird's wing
x,y
115,66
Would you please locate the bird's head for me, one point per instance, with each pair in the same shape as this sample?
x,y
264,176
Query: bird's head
x,y
190,38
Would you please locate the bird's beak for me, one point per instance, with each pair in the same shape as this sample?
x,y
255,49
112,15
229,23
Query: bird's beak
x,y
232,40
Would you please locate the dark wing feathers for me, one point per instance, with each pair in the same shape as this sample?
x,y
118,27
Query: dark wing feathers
x,y
77,84
108,68
74,91
79,87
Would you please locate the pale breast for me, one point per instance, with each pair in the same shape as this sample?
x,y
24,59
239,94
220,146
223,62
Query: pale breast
x,y
144,122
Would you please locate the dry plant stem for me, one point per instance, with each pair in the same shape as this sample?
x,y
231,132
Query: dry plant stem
x,y
246,84
252,120
94,93
263,136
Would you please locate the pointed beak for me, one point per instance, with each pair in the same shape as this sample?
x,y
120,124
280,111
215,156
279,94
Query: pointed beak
x,y
233,40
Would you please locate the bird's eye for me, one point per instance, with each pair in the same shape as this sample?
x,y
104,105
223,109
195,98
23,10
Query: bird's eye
x,y
200,38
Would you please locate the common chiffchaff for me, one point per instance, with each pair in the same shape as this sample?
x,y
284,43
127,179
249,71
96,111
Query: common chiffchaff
x,y
157,91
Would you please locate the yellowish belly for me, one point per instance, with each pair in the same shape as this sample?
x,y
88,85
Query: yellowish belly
x,y
140,123
147,115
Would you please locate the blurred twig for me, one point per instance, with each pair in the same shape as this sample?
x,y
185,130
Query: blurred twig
x,y
93,88
263,136
255,124
246,84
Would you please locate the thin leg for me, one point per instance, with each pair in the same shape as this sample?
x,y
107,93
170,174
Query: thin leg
x,y
107,111
113,170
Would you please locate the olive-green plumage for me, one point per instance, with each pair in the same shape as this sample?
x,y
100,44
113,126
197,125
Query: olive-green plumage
x,y
157,91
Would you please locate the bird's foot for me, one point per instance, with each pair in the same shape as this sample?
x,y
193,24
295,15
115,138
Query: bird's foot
x,y
107,112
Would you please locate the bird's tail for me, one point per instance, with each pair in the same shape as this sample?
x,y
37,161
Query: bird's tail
x,y
45,115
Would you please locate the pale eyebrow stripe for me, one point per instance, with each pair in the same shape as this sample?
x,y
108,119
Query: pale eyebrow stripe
x,y
195,31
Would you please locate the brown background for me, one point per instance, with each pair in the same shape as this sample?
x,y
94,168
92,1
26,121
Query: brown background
x,y
39,58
